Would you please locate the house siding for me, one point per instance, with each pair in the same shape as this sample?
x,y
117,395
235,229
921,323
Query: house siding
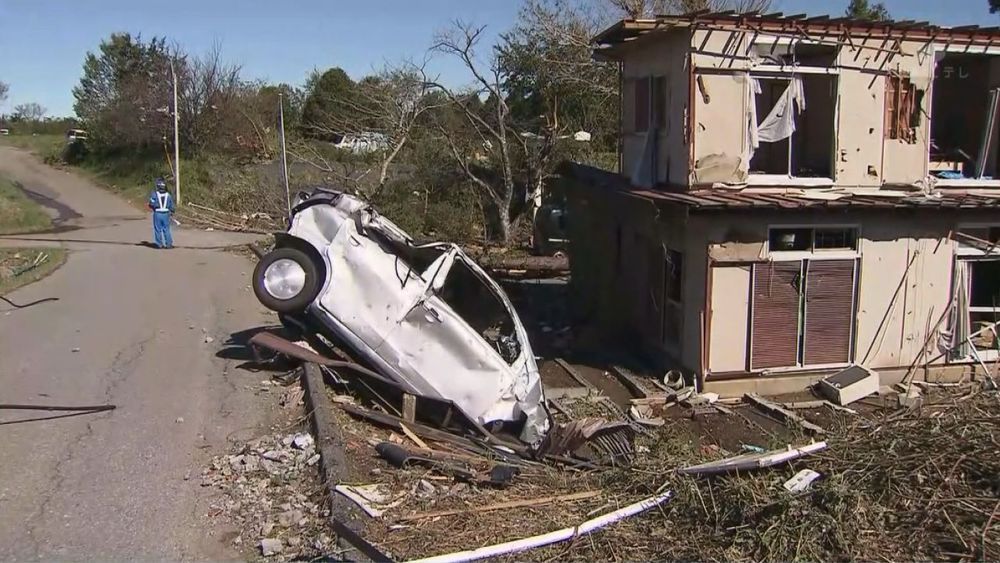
x,y
891,326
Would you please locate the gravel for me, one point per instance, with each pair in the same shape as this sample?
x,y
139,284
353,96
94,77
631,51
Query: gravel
x,y
271,492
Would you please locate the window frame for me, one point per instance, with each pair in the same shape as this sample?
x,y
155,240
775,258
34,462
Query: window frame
x,y
787,73
641,104
813,252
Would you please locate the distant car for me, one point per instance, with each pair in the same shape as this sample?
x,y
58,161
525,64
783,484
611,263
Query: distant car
x,y
549,234
426,316
4,132
362,143
75,135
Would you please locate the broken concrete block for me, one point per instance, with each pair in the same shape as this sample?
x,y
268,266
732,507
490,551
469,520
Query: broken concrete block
x,y
303,441
801,481
270,546
849,385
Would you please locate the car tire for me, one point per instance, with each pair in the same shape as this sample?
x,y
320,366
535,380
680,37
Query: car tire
x,y
286,280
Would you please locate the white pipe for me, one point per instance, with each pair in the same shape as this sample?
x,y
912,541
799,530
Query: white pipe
x,y
551,537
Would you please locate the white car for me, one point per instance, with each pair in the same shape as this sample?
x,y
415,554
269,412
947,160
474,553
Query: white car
x,y
426,316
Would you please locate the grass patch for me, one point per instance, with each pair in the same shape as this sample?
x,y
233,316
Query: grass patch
x,y
18,214
47,147
21,266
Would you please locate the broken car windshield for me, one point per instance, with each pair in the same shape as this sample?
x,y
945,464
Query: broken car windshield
x,y
479,306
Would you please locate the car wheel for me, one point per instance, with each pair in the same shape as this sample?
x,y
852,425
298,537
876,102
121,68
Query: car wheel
x,y
286,280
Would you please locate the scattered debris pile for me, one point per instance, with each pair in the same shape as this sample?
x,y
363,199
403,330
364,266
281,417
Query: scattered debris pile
x,y
885,482
894,484
272,493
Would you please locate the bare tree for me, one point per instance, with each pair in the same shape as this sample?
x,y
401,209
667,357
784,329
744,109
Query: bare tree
x,y
29,112
637,9
494,138
211,95
4,89
382,111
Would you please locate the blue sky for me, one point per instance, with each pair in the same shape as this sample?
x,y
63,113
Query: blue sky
x,y
43,42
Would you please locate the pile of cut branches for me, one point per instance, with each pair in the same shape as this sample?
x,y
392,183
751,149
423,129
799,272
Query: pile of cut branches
x,y
919,485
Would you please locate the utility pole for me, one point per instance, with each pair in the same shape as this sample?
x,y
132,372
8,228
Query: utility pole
x,y
177,148
284,159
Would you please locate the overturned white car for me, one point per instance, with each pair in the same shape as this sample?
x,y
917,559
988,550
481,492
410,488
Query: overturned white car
x,y
426,316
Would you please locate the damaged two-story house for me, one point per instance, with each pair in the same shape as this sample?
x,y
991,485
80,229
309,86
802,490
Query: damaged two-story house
x,y
795,195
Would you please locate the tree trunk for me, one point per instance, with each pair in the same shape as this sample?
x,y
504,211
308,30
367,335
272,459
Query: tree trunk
x,y
504,223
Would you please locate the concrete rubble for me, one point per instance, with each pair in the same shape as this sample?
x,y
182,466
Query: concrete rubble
x,y
270,492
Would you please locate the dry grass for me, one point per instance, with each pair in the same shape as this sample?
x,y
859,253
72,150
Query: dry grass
x,y
920,485
21,266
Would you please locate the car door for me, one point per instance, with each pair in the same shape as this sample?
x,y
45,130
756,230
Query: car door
x,y
438,350
370,288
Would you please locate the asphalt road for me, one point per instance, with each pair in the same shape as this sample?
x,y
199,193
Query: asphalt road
x,y
129,328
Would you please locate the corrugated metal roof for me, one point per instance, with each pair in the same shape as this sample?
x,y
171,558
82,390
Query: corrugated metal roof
x,y
628,29
724,199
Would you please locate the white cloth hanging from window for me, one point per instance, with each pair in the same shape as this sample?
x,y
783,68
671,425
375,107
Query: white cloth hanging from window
x,y
780,122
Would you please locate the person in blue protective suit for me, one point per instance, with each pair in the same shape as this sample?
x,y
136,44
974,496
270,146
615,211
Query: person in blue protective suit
x,y
162,205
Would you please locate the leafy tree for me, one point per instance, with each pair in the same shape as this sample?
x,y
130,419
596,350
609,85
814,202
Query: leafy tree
x,y
329,96
552,82
863,10
994,6
123,98
292,97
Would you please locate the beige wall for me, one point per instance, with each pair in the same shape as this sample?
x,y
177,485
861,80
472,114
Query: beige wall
x,y
893,328
662,55
861,155
904,162
719,117
730,315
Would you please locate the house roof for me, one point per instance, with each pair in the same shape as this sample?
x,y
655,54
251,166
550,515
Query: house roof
x,y
786,198
798,24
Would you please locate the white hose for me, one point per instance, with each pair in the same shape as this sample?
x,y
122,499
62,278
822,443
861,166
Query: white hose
x,y
551,537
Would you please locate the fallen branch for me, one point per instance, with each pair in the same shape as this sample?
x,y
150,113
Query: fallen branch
x,y
782,412
557,536
505,505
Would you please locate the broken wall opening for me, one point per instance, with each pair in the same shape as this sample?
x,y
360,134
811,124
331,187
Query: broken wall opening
x,y
964,105
796,116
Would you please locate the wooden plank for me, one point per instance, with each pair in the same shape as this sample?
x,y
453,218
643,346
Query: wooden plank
x,y
416,439
574,374
568,393
783,413
506,505
625,379
409,407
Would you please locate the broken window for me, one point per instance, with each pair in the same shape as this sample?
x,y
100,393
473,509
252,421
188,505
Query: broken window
x,y
659,94
773,51
673,311
964,104
977,282
808,239
791,125
902,108
641,104
476,303
674,262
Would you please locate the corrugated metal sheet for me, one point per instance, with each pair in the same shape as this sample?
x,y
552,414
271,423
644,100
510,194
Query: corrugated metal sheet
x,y
775,336
724,199
829,311
801,24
